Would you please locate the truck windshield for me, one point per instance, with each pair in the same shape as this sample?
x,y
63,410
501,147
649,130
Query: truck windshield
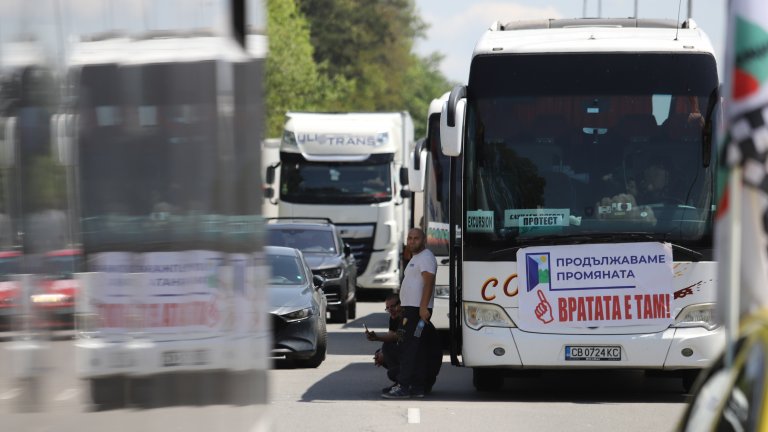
x,y
305,182
610,148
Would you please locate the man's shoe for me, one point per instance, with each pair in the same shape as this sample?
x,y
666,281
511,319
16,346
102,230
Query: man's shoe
x,y
388,388
397,392
417,392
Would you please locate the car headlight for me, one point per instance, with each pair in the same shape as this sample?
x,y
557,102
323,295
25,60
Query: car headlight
x,y
479,315
698,315
442,291
298,315
331,273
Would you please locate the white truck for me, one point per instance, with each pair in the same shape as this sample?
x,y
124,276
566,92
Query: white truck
x,y
353,169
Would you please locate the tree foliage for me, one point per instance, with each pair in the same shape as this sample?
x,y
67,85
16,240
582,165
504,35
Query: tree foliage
x,y
294,82
349,55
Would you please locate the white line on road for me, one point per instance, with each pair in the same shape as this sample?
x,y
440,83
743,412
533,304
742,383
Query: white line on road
x,y
414,416
10,394
67,394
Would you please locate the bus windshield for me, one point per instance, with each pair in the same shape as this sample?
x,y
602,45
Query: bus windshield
x,y
613,149
305,182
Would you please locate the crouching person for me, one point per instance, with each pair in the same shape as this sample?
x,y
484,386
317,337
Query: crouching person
x,y
388,356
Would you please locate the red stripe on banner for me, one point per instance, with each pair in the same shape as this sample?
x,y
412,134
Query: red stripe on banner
x,y
744,84
722,206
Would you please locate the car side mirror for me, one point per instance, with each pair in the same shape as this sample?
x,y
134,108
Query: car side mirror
x,y
318,281
347,250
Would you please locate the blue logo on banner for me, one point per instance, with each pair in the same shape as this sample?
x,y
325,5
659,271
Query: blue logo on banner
x,y
537,271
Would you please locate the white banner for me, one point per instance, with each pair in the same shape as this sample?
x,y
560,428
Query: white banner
x,y
595,285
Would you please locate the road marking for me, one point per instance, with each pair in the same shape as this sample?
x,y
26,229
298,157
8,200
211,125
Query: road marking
x,y
414,416
67,394
10,394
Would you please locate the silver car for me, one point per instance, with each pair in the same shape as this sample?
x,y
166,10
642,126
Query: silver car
x,y
298,308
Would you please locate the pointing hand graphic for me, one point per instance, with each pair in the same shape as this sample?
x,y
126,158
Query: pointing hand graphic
x,y
543,309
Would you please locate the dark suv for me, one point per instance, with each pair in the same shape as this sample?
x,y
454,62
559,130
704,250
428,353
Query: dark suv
x,y
327,256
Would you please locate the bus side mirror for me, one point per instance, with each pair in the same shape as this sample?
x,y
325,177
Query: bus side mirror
x,y
403,176
417,171
405,193
452,121
270,177
269,192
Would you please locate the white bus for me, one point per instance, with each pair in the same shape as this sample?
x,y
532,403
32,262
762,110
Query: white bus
x,y
430,187
586,182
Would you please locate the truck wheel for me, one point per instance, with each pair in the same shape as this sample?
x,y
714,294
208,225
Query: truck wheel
x,y
487,380
339,315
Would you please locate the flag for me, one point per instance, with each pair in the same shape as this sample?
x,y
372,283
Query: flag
x,y
741,220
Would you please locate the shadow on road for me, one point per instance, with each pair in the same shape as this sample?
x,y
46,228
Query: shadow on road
x,y
363,381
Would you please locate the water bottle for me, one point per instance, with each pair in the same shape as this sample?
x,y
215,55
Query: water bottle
x,y
419,328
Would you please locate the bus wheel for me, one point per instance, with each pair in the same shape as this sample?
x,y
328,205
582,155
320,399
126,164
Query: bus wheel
x,y
107,393
689,378
487,380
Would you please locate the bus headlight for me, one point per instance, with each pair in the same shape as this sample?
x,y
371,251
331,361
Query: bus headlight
x,y
479,315
698,315
442,291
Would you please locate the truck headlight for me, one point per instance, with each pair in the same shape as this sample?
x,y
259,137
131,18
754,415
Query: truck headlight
x,y
697,315
382,266
442,291
289,141
479,315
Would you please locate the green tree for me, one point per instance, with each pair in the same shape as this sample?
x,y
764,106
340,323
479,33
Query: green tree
x,y
294,82
369,43
423,82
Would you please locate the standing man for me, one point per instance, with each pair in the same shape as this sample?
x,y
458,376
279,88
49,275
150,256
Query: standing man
x,y
416,297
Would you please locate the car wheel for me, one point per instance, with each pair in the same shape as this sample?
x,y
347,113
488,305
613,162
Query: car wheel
x,y
340,315
487,380
352,309
322,343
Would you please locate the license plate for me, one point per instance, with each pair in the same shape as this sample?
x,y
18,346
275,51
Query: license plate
x,y
120,359
582,352
185,358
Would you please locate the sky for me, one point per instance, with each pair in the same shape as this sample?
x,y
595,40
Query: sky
x,y
456,25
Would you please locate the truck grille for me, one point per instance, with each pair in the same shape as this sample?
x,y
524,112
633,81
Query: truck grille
x,y
361,249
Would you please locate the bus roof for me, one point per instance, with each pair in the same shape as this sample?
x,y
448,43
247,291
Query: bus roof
x,y
593,35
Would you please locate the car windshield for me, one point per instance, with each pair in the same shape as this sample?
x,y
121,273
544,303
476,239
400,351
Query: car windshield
x,y
286,270
308,241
